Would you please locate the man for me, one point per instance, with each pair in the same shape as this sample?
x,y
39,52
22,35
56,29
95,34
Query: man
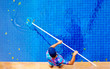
x,y
56,59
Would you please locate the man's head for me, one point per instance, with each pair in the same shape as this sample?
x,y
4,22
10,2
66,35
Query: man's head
x,y
52,52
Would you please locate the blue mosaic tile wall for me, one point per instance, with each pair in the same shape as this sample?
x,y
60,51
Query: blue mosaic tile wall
x,y
82,24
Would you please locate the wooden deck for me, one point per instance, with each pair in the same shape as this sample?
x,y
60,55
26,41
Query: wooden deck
x,y
44,65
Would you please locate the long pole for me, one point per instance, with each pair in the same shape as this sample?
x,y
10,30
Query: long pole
x,y
63,43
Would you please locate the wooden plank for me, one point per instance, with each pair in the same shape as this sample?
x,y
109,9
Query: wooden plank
x,y
44,65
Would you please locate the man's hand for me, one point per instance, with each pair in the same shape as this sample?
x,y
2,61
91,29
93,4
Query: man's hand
x,y
54,45
60,41
75,53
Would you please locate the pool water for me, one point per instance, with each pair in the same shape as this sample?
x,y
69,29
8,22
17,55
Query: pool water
x,y
81,24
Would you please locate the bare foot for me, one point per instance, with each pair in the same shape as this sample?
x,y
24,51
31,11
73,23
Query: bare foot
x,y
50,66
60,66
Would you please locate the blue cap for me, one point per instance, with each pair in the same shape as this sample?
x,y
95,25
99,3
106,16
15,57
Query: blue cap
x,y
52,52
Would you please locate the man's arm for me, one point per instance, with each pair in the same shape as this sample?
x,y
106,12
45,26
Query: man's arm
x,y
73,58
54,45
